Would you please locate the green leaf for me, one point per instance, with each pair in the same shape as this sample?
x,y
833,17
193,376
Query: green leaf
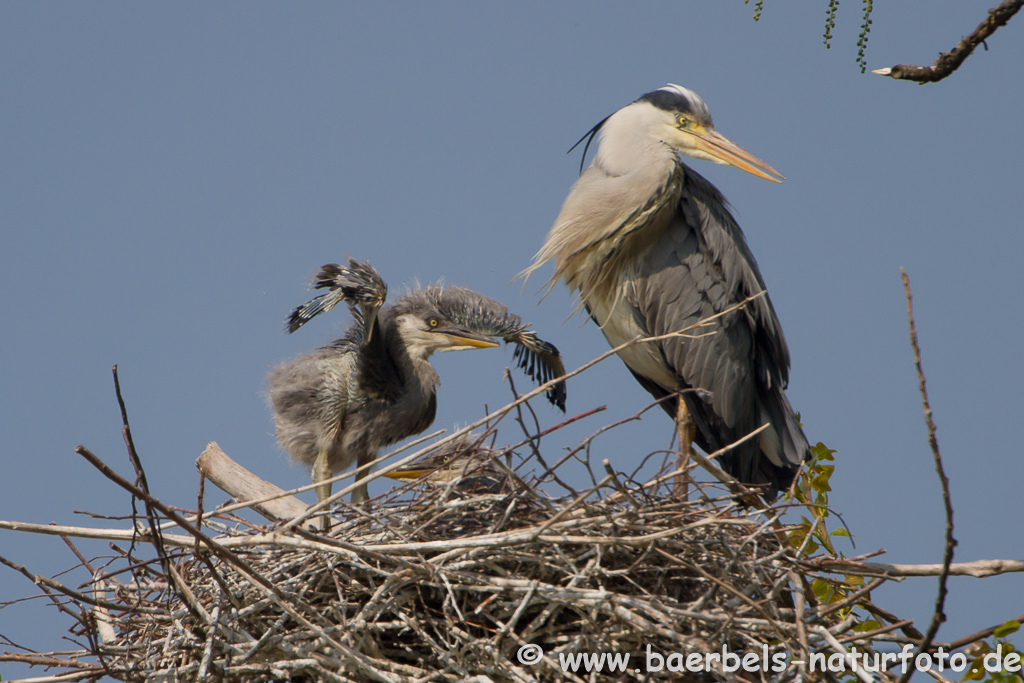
x,y
1006,629
842,532
975,672
825,591
865,626
822,452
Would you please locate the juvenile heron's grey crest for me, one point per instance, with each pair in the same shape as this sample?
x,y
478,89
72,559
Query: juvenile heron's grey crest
x,y
652,249
375,386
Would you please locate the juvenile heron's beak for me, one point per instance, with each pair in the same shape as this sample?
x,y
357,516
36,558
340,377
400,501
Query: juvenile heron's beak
x,y
725,151
409,474
368,320
460,338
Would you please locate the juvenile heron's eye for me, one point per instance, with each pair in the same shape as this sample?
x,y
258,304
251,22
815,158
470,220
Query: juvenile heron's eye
x,y
432,322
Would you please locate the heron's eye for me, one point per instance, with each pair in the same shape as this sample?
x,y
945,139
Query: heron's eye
x,y
683,122
432,322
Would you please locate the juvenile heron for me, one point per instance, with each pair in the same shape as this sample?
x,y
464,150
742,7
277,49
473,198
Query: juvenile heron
x,y
465,461
375,386
652,249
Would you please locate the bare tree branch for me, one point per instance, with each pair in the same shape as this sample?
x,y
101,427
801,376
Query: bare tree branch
x,y
974,637
979,569
948,62
947,557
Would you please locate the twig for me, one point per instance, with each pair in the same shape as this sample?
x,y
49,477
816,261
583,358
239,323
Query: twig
x,y
974,637
140,473
801,627
838,647
979,569
850,599
46,582
948,62
947,558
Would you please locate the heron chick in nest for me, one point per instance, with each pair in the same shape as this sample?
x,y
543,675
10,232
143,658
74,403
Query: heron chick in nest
x,y
375,386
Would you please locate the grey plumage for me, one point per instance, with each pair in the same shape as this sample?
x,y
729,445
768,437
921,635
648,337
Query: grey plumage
x,y
652,248
340,404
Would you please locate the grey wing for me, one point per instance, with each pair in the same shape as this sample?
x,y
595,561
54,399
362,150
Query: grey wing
x,y
540,360
357,284
738,363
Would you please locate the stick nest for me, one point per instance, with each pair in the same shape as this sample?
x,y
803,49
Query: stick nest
x,y
464,582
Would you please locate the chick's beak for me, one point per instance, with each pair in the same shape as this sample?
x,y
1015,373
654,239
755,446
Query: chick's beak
x,y
408,474
460,338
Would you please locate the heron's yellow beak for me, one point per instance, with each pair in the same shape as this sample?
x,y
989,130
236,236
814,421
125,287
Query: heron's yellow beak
x,y
406,475
459,338
725,151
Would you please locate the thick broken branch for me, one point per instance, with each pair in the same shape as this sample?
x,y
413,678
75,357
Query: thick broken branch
x,y
244,486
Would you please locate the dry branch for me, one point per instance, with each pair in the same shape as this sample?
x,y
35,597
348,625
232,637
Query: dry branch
x,y
948,62
978,569
246,487
939,615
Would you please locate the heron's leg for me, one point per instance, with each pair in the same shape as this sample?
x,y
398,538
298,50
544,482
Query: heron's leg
x,y
687,430
360,494
322,472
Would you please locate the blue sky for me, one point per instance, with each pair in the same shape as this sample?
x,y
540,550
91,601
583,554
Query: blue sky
x,y
172,175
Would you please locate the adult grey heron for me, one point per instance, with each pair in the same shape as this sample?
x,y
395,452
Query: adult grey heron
x,y
652,248
375,385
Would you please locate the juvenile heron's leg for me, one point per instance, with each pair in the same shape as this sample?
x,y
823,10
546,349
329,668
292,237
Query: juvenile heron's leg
x,y
687,431
360,493
322,472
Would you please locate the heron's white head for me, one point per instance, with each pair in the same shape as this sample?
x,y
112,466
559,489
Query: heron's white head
x,y
677,117
427,332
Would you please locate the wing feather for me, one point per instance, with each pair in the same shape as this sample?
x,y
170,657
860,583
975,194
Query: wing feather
x,y
697,267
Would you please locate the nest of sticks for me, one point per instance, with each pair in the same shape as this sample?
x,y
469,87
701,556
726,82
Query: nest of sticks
x,y
490,577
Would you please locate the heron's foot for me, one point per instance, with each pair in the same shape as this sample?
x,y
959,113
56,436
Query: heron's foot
x,y
360,495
